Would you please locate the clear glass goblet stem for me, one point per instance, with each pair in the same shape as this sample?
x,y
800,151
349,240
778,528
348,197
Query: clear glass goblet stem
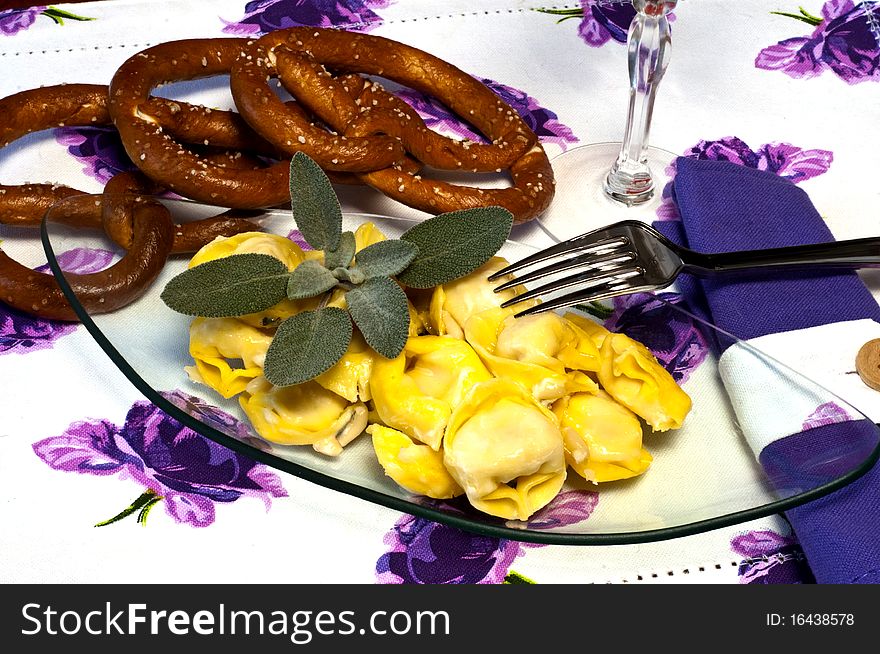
x,y
648,43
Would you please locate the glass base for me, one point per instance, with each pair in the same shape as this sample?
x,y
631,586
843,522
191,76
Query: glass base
x,y
581,203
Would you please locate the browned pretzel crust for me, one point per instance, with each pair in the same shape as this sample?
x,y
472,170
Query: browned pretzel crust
x,y
163,158
528,196
340,116
124,190
34,110
37,293
301,57
40,295
291,130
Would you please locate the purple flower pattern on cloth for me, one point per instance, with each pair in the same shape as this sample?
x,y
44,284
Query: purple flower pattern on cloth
x,y
21,333
169,462
784,159
605,21
262,16
98,148
296,236
13,21
771,558
826,414
671,335
601,21
543,122
424,552
846,41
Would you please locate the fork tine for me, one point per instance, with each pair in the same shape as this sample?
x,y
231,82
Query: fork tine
x,y
585,243
598,292
583,261
590,279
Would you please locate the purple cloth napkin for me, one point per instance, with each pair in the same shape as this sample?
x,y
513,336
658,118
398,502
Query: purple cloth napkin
x,y
728,207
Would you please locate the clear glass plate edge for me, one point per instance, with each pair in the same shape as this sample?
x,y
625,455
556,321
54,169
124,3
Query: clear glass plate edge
x,y
398,504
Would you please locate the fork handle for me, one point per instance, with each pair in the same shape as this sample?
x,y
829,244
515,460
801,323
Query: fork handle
x,y
855,253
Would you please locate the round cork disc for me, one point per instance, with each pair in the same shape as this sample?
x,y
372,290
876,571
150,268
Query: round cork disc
x,y
868,363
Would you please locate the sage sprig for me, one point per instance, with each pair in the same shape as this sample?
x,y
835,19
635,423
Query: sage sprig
x,y
433,252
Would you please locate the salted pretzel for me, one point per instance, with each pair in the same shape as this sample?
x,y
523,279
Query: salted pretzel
x,y
77,105
23,113
166,160
126,189
342,118
39,294
301,57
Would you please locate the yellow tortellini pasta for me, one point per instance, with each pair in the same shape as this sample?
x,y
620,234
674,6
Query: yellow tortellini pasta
x,y
528,350
602,438
227,352
413,466
304,414
505,449
350,376
588,329
633,377
367,234
453,303
417,391
283,249
479,403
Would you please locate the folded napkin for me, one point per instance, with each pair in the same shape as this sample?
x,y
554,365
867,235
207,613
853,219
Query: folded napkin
x,y
812,321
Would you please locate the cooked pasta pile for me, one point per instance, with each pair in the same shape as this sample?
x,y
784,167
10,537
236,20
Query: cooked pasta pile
x,y
479,403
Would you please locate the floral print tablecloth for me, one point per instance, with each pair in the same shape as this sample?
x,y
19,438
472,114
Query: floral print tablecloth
x,y
100,485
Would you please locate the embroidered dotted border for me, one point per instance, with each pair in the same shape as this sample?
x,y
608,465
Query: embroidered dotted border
x,y
684,571
350,25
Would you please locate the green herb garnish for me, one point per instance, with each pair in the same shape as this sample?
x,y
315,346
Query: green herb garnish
x,y
433,252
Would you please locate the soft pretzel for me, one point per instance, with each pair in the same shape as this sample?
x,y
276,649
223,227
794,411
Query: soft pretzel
x,y
34,110
292,130
301,56
530,193
125,190
39,294
358,132
163,158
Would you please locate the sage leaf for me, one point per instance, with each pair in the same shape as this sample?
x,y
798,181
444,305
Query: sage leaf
x,y
380,310
232,286
306,345
385,258
351,275
454,244
309,279
342,255
314,203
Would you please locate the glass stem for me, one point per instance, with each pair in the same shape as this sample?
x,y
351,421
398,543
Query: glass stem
x,y
648,44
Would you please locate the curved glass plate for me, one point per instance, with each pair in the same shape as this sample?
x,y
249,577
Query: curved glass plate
x,y
580,203
703,476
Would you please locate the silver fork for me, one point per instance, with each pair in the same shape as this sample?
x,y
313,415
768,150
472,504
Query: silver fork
x,y
630,256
